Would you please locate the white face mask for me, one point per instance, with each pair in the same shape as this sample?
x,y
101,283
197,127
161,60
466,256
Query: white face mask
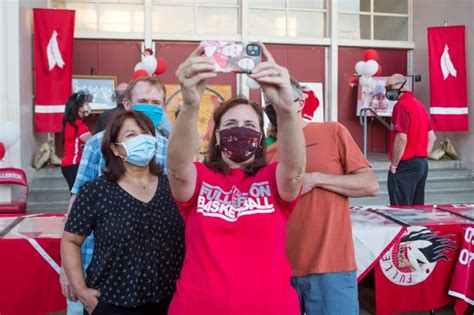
x,y
87,110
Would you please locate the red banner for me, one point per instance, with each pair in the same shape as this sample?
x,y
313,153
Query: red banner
x,y
448,83
415,273
462,283
53,45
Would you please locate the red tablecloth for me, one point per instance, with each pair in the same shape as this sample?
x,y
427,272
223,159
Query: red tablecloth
x,y
401,289
28,284
421,269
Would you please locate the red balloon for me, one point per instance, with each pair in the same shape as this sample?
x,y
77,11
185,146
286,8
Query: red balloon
x,y
353,80
162,66
379,71
370,54
139,73
2,151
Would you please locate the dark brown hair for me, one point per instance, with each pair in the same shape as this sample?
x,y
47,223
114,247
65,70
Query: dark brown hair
x,y
214,156
154,81
114,167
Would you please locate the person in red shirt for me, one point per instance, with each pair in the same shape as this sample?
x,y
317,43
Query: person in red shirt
x,y
75,134
411,139
235,206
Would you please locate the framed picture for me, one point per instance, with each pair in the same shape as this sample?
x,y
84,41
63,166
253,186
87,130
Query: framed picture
x,y
101,87
373,96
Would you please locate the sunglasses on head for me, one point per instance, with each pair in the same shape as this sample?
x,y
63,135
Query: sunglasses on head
x,y
392,86
84,94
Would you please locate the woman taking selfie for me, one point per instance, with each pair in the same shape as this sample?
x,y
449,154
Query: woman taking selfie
x,y
138,246
234,205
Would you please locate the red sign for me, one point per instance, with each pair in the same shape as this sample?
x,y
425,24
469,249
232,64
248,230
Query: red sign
x,y
448,83
53,45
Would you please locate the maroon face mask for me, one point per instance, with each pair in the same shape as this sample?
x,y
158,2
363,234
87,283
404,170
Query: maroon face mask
x,y
239,143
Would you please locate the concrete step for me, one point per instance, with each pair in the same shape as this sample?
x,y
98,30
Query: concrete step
x,y
48,177
448,182
49,191
53,193
49,182
376,165
430,198
47,207
441,183
434,173
451,193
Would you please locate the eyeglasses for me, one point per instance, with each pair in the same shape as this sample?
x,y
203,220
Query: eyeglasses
x,y
392,86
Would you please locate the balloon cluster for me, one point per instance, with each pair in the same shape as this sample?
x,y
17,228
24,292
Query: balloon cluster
x,y
368,68
149,65
9,134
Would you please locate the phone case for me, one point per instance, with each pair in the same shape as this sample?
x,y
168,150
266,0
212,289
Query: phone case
x,y
233,57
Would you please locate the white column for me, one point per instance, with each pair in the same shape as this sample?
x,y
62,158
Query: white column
x,y
9,81
148,25
332,83
9,76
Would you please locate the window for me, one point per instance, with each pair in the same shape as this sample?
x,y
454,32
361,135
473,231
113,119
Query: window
x,y
195,17
303,20
125,16
288,18
373,19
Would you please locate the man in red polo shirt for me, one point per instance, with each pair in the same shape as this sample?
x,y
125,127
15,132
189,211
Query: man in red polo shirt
x,y
411,139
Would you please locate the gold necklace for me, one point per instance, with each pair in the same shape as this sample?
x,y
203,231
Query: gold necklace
x,y
148,184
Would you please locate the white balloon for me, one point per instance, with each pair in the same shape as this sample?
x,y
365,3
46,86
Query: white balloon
x,y
359,67
370,68
9,133
252,84
149,63
138,66
365,81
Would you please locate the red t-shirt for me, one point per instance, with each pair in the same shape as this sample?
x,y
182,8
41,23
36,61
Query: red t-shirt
x,y
72,143
411,117
235,247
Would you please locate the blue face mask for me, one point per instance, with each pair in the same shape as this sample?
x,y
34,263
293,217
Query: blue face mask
x,y
154,112
140,149
165,128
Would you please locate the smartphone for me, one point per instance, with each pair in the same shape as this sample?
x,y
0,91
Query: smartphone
x,y
233,57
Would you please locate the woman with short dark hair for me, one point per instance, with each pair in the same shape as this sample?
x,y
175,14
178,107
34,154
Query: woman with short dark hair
x,y
75,134
138,248
234,205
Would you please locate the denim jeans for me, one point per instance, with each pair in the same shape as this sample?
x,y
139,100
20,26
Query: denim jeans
x,y
332,293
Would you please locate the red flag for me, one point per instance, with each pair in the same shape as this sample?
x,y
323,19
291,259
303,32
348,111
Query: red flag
x,y
415,273
53,45
448,83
